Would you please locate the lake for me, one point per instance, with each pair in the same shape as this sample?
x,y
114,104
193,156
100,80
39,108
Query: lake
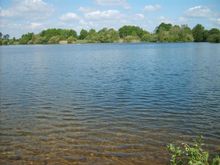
x,y
106,103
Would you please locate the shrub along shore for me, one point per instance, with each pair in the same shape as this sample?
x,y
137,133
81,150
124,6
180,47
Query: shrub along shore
x,y
162,33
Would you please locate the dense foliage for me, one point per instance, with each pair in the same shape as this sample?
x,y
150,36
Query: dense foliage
x,y
163,33
191,154
169,33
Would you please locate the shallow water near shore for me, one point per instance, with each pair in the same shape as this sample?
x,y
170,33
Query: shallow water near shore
x,y
106,103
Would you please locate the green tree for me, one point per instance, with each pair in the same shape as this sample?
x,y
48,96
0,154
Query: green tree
x,y
25,38
37,39
146,36
205,35
4,42
50,33
153,38
198,33
62,33
54,40
108,35
92,36
214,35
131,31
163,27
83,34
185,34
163,32
11,41
71,40
163,36
174,34
6,37
65,34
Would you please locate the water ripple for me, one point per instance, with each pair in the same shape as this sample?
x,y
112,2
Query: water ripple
x,y
107,103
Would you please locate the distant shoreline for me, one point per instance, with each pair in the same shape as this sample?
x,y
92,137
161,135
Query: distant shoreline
x,y
167,33
91,43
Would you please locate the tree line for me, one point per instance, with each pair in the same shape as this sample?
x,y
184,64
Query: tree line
x,y
165,32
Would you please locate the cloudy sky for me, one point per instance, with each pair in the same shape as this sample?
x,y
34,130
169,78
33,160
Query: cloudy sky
x,y
21,16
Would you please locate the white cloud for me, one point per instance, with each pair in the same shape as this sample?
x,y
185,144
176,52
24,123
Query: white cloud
x,y
139,16
122,3
27,8
5,13
182,19
216,21
85,9
203,12
151,8
35,25
198,11
103,15
164,20
69,17
86,24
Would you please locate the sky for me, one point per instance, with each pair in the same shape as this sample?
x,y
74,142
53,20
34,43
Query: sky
x,y
21,16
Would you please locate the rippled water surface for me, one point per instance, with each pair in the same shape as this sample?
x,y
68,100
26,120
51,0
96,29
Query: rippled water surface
x,y
106,103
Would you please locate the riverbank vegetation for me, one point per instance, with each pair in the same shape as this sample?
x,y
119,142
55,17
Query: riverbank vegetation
x,y
191,154
162,33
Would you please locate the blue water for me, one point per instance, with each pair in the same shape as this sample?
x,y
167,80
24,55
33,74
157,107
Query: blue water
x,y
106,103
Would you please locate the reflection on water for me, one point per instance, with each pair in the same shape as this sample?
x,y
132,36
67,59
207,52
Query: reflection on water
x,y
106,103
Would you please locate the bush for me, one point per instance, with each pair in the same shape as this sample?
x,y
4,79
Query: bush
x,y
37,39
54,40
71,40
131,39
25,38
4,42
215,38
146,37
191,154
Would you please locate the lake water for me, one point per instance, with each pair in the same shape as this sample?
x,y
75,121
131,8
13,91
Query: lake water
x,y
106,103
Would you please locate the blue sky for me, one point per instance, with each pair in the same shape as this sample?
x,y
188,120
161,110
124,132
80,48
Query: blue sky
x,y
22,16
